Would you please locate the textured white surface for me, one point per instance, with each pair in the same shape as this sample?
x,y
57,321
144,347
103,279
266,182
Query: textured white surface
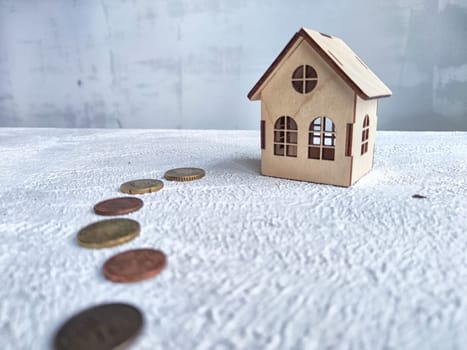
x,y
254,262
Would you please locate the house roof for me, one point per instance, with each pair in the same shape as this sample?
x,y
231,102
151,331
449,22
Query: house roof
x,y
340,57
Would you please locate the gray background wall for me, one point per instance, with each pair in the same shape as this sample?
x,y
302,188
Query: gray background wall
x,y
190,63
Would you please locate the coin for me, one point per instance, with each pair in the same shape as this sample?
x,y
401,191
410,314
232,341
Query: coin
x,y
118,206
108,233
141,186
101,327
134,265
184,174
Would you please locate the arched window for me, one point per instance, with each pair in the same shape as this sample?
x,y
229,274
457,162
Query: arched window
x,y
322,139
365,134
285,137
304,79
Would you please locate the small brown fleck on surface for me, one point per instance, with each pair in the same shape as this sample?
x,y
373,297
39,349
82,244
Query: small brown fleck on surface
x,y
419,196
134,265
118,206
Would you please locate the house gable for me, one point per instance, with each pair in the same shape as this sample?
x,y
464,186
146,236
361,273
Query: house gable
x,y
339,57
330,97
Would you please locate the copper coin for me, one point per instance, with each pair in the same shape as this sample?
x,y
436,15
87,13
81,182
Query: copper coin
x,y
118,206
134,265
101,327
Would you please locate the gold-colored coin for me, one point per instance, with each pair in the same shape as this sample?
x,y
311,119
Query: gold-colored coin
x,y
184,174
108,233
141,186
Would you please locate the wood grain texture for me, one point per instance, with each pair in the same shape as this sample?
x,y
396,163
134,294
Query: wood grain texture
x,y
330,98
255,262
341,88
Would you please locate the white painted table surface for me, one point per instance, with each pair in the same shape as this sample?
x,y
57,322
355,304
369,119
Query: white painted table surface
x,y
254,262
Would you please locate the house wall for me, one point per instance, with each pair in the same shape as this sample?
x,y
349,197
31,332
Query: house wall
x,y
332,97
362,164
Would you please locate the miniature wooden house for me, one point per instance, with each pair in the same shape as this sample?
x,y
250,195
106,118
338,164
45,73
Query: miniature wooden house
x,y
318,111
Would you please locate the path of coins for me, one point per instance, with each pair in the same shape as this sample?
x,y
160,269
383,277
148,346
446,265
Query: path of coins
x,y
110,326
